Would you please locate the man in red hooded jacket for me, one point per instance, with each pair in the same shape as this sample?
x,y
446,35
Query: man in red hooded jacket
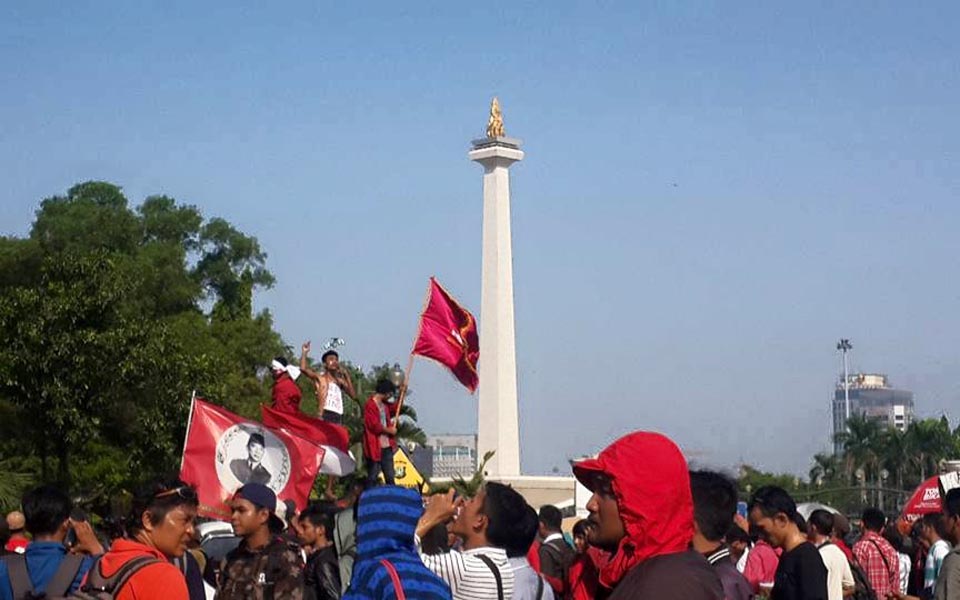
x,y
642,510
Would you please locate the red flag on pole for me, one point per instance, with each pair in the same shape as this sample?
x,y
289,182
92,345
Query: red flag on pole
x,y
223,451
448,335
333,438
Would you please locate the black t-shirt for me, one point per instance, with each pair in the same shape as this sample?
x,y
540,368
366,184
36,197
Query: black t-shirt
x,y
800,575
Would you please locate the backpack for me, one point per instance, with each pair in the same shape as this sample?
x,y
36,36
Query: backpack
x,y
57,587
564,559
98,587
862,590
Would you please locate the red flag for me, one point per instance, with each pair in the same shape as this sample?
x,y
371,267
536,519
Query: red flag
x,y
333,438
448,335
223,451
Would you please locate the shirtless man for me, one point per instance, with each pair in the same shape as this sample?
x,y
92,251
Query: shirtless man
x,y
330,388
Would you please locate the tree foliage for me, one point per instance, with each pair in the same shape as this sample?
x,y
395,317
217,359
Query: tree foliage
x,y
110,315
877,463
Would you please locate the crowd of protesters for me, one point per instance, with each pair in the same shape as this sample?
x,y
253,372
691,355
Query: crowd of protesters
x,y
656,530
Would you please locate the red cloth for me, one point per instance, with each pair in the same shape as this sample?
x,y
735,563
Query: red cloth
x,y
286,394
448,335
761,567
652,487
217,438
158,581
844,548
373,429
16,545
533,555
583,578
879,561
316,430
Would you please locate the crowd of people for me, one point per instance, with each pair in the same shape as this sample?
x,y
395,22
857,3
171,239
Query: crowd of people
x,y
656,530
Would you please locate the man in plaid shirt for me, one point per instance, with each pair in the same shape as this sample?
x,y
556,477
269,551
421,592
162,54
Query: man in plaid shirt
x,y
876,556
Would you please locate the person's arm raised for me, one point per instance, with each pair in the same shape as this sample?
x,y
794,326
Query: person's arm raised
x,y
304,365
440,509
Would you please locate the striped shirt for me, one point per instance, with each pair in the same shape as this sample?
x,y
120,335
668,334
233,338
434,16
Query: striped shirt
x,y
468,576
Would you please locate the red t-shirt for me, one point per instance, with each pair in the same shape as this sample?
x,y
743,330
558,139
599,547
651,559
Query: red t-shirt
x,y
158,581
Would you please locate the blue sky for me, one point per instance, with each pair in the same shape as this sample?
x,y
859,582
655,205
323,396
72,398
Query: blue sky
x,y
713,194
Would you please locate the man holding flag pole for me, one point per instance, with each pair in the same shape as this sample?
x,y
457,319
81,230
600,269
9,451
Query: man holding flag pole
x,y
447,334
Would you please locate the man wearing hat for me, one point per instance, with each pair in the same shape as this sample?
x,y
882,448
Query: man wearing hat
x,y
642,512
18,541
264,566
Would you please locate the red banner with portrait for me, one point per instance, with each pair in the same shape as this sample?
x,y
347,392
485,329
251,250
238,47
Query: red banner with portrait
x,y
223,451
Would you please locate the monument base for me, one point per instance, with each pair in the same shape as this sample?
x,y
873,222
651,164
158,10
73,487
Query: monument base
x,y
537,491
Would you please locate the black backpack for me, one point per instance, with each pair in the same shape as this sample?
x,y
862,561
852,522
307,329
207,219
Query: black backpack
x,y
862,590
57,587
98,587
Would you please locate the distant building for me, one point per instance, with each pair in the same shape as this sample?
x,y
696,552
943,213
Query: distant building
x,y
873,398
453,454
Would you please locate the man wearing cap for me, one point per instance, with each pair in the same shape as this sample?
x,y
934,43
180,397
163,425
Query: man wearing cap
x,y
286,392
251,469
18,541
642,511
264,566
379,433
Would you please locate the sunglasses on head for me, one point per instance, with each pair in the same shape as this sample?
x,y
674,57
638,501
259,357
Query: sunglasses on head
x,y
184,491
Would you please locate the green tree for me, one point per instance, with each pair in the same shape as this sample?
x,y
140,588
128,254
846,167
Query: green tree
x,y
109,317
929,441
861,446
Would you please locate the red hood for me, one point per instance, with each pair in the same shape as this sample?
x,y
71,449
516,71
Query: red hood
x,y
652,486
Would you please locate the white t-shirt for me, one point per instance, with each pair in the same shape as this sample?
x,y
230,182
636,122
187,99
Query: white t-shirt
x,y
839,574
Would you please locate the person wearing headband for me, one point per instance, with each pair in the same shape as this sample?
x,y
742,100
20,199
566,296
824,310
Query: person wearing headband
x,y
286,392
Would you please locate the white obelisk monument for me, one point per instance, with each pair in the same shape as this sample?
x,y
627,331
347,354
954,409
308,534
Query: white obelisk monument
x,y
498,423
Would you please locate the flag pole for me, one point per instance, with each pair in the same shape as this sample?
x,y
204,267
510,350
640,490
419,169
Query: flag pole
x,y
186,435
413,346
403,389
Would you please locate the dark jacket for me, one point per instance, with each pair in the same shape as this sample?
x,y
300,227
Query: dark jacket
x,y
651,483
735,585
322,575
240,468
679,576
556,556
274,572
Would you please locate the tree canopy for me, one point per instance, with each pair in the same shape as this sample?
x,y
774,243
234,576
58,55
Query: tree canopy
x,y
110,315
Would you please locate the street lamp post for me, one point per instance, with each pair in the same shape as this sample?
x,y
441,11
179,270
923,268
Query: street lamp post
x,y
843,346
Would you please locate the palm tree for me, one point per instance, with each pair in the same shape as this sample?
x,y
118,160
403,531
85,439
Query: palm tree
x,y
929,441
825,467
894,454
862,445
